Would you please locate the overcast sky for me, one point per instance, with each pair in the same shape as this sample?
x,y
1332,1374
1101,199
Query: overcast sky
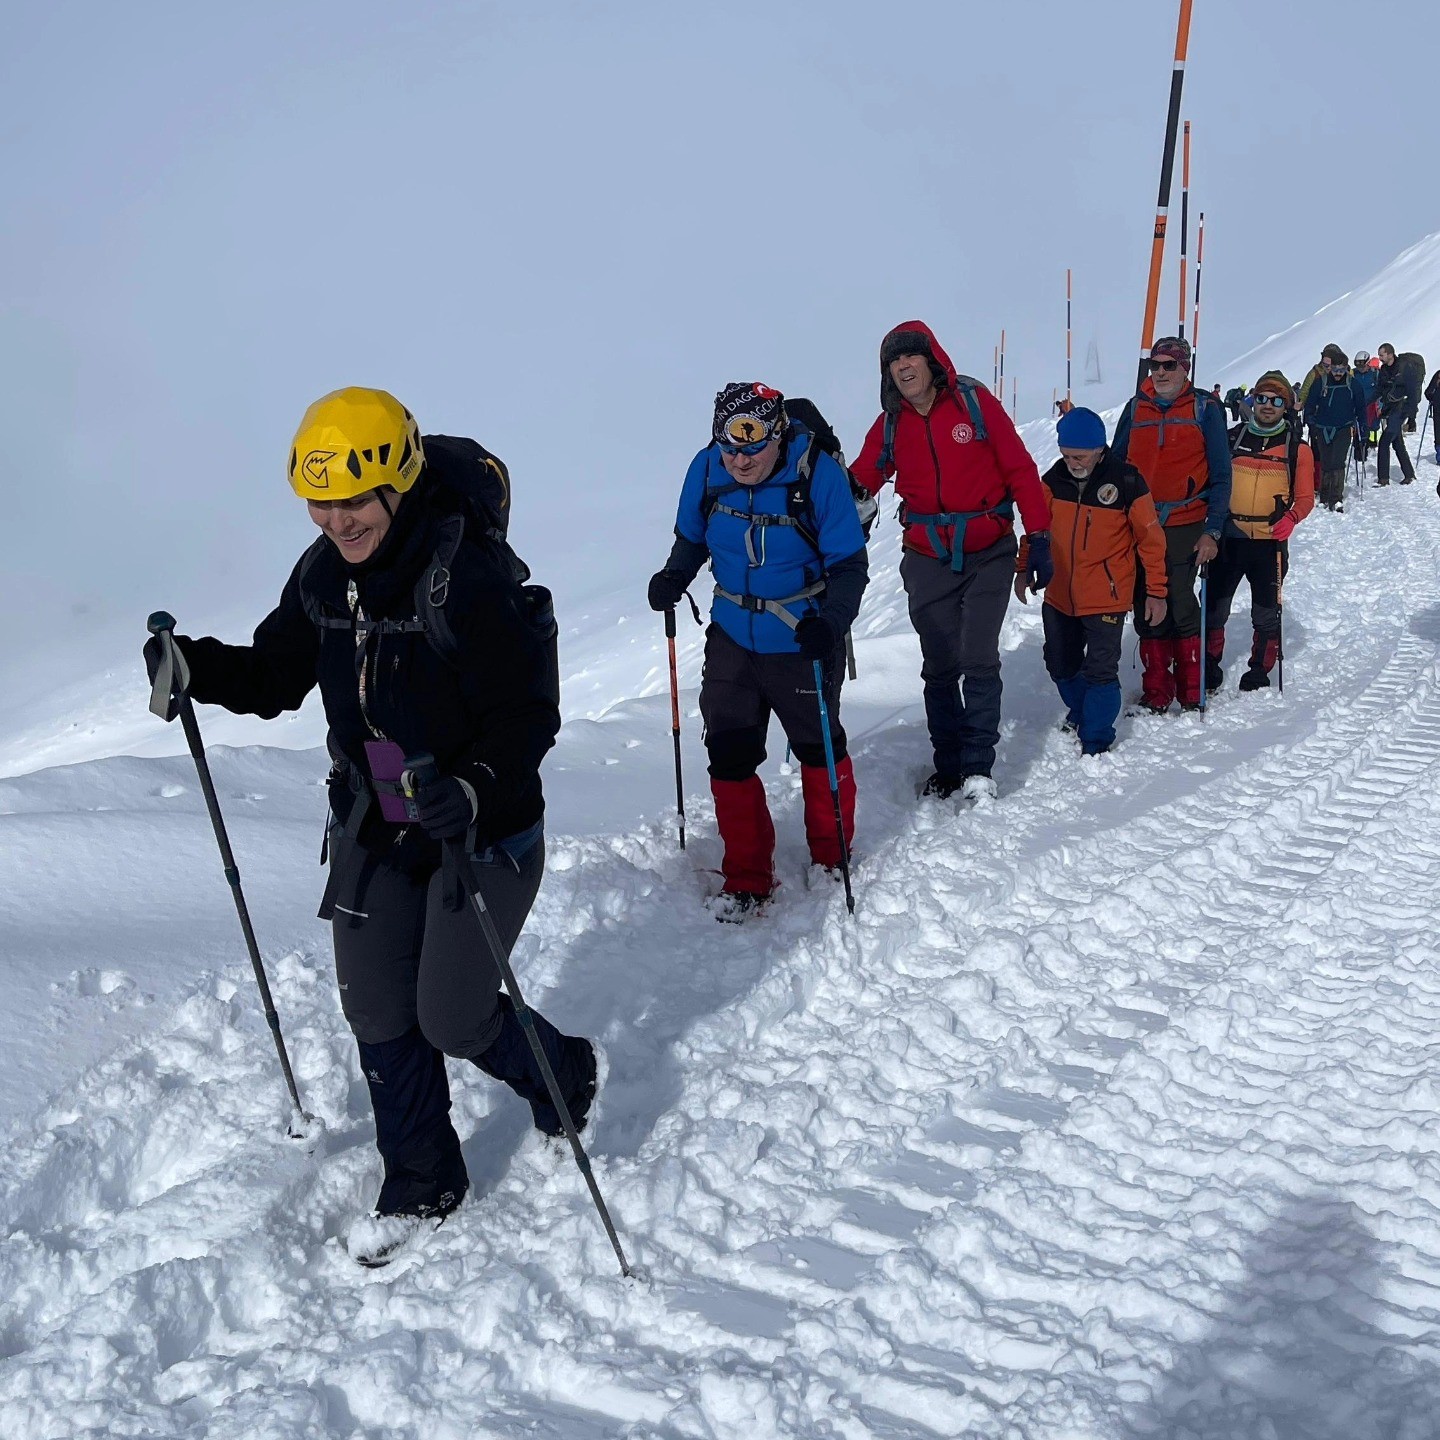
x,y
562,227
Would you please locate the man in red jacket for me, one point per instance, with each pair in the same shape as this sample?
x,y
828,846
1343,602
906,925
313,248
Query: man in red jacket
x,y
960,469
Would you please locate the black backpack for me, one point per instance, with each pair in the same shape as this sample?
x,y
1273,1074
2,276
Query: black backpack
x,y
473,486
823,440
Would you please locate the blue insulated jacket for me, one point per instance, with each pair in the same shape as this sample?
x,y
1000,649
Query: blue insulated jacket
x,y
1330,407
771,562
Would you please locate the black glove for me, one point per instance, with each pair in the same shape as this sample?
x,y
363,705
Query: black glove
x,y
667,589
817,637
154,655
1039,567
446,807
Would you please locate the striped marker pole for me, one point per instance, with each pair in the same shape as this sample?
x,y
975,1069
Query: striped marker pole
x,y
1199,261
1184,226
1167,172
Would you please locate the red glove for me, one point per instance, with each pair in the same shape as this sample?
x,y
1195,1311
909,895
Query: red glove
x,y
1282,528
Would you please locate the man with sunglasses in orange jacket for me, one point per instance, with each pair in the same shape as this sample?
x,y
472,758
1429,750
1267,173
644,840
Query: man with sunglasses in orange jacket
x,y
960,470
1176,438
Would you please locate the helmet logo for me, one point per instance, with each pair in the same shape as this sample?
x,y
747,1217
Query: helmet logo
x,y
316,468
962,434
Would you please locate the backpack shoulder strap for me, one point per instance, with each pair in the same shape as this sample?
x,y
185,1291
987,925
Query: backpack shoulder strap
x,y
968,388
433,589
797,498
322,616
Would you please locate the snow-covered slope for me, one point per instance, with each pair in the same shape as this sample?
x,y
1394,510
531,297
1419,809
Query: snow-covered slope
x,y
1108,1115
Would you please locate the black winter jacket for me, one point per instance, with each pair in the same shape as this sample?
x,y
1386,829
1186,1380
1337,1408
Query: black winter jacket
x,y
488,715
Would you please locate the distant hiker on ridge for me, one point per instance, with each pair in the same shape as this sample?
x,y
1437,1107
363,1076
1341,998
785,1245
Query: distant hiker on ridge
x,y
1335,409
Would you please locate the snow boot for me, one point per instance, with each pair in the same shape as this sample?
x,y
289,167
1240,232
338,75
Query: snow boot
x,y
1264,651
745,826
1157,678
1097,717
941,787
978,790
1214,653
511,1060
377,1240
820,830
735,907
1187,672
424,1170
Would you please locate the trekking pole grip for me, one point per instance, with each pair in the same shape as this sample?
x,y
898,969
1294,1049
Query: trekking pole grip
x,y
669,622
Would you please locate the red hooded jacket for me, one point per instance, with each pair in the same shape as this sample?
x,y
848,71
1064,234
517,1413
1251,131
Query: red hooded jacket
x,y
940,467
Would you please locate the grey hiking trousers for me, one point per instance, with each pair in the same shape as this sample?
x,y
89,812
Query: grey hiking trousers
x,y
402,959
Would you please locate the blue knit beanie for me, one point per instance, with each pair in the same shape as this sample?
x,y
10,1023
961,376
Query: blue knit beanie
x,y
1080,429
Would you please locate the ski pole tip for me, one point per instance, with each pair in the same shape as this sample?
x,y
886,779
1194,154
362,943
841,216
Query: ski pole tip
x,y
160,620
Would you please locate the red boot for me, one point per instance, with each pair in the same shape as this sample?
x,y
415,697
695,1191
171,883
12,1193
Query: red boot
x,y
820,810
1157,683
1264,651
745,826
1188,672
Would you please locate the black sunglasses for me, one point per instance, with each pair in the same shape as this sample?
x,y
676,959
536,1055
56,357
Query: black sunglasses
x,y
1164,365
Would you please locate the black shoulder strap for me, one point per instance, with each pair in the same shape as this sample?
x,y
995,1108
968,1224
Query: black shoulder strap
x,y
322,616
433,589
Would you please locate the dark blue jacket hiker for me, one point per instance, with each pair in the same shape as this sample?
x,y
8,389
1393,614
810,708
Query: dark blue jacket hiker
x,y
774,515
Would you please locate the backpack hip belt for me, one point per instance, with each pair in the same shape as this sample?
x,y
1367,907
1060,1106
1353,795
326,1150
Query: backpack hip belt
x,y
758,606
960,520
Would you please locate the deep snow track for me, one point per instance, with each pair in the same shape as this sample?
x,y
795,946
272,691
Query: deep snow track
x,y
1110,1115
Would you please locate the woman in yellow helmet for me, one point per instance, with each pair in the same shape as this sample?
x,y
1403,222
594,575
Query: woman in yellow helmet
x,y
416,628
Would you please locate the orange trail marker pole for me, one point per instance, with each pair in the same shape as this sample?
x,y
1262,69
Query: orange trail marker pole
x,y
1167,173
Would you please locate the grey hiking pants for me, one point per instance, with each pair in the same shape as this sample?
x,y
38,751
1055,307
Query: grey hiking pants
x,y
402,959
958,616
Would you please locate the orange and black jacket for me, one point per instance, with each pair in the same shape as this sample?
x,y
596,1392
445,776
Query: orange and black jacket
x,y
1273,475
1097,527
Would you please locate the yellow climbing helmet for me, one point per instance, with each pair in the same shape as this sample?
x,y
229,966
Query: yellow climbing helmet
x,y
354,440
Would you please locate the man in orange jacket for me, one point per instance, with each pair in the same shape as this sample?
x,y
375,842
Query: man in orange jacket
x,y
1273,490
1175,437
960,470
1101,517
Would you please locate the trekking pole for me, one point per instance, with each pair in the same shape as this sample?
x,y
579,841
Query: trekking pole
x,y
675,719
1204,607
172,682
1280,619
1424,425
850,657
834,786
420,771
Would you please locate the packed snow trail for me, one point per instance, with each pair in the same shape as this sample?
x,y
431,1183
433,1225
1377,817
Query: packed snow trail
x,y
1109,1115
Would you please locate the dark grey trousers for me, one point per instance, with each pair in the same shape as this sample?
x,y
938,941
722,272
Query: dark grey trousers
x,y
403,960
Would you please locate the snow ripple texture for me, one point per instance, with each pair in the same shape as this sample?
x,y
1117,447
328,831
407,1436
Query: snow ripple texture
x,y
1112,1114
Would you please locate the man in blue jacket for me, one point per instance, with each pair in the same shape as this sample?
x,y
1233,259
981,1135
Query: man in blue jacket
x,y
775,517
1335,407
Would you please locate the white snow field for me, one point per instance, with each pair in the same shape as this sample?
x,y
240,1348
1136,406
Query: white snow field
x,y
1112,1113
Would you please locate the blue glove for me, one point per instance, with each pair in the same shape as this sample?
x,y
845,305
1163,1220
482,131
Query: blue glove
x,y
1039,567
816,637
